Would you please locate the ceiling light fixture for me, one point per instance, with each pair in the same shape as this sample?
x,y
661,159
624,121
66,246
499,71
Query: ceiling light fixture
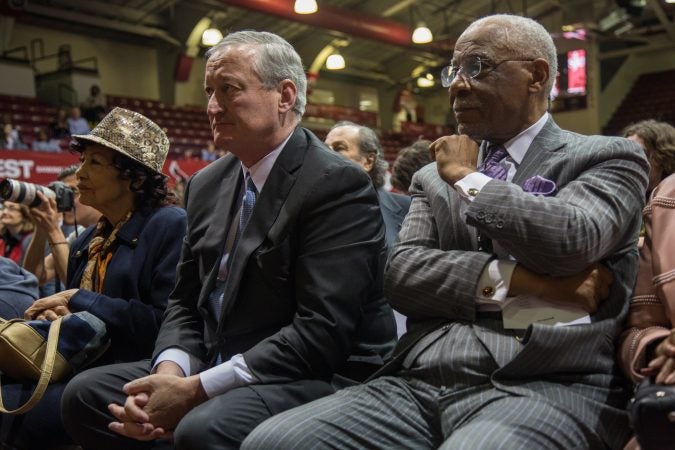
x,y
305,7
422,34
426,81
211,37
335,62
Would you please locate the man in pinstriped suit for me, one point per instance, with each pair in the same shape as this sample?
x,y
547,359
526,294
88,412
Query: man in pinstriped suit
x,y
562,223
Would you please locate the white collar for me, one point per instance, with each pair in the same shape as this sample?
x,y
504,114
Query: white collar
x,y
518,146
260,171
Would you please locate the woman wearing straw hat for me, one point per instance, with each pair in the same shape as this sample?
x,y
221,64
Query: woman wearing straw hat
x,y
121,270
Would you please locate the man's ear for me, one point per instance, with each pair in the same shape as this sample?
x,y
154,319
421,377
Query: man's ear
x,y
539,75
289,93
368,162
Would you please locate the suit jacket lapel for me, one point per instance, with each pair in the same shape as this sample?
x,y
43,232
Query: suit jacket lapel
x,y
266,210
538,157
224,212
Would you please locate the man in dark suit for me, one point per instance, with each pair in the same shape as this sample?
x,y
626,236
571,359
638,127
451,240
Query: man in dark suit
x,y
514,275
361,145
279,287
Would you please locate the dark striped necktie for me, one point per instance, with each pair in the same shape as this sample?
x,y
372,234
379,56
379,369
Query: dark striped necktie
x,y
492,166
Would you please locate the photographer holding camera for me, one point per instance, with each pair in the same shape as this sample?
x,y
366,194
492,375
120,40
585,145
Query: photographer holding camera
x,y
58,221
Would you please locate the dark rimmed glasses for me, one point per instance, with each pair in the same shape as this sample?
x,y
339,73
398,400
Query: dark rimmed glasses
x,y
471,67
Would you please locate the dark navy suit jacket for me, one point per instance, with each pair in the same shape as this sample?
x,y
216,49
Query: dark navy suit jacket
x,y
138,280
393,207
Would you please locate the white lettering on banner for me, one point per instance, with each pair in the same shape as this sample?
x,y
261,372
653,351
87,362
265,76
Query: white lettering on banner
x,y
49,169
12,168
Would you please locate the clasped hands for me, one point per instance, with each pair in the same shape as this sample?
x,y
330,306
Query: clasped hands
x,y
156,403
50,308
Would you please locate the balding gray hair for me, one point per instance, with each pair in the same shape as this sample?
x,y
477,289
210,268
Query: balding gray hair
x,y
275,60
369,145
527,38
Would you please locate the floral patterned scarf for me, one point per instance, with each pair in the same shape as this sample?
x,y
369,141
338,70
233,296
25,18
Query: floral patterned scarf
x,y
100,253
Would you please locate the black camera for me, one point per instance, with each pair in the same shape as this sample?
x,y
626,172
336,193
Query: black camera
x,y
26,193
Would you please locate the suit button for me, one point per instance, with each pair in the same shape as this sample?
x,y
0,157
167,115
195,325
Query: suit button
x,y
499,223
473,192
488,291
480,215
489,218
78,253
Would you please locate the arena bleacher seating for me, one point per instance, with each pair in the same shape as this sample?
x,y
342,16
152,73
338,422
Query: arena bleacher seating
x,y
651,97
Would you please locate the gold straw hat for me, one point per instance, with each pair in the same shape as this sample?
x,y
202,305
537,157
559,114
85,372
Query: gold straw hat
x,y
133,135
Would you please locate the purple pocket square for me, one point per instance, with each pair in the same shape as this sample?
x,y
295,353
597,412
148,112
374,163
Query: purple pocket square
x,y
539,186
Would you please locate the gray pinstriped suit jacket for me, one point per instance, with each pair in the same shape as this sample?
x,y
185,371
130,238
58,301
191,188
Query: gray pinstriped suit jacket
x,y
594,215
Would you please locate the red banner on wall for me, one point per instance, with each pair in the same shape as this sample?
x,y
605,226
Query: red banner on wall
x,y
42,168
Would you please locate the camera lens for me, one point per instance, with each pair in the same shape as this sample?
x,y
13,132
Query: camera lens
x,y
24,193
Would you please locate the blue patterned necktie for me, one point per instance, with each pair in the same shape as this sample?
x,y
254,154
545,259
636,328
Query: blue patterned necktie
x,y
247,204
492,166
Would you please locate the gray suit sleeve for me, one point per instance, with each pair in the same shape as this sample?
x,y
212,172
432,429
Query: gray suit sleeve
x,y
594,214
434,269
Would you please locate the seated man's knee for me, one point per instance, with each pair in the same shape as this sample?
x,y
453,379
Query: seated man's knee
x,y
78,393
80,398
186,436
282,432
196,431
266,437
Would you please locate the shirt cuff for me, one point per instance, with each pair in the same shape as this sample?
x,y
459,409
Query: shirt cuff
x,y
494,283
226,376
470,186
176,355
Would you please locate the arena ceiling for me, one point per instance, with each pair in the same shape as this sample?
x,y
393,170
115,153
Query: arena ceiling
x,y
367,32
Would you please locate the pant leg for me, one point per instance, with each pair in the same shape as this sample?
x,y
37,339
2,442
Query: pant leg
x,y
41,427
387,413
494,420
85,406
224,421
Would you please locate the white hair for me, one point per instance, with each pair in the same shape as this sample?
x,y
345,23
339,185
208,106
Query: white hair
x,y
522,34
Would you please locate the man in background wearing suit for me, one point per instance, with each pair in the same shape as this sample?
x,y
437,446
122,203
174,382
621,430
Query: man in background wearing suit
x,y
555,217
279,287
361,145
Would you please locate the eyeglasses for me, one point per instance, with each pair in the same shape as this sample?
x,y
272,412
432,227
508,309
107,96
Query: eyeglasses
x,y
471,67
11,208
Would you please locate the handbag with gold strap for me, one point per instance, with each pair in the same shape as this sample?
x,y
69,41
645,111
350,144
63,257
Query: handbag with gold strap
x,y
48,351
